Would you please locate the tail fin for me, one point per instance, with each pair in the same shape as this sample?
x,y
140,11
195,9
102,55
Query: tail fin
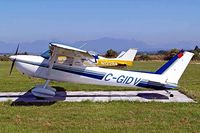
x,y
175,67
129,55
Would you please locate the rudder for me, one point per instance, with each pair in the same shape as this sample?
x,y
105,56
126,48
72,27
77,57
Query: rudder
x,y
174,68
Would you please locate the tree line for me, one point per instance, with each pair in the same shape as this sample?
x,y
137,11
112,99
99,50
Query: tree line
x,y
159,55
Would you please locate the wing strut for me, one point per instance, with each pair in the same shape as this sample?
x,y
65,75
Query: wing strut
x,y
45,91
52,60
51,63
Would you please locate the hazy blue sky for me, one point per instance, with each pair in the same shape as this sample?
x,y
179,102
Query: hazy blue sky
x,y
152,21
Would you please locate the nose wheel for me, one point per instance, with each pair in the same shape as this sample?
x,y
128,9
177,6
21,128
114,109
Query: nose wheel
x,y
44,91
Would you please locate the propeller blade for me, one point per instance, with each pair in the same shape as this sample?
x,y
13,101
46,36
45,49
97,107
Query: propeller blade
x,y
16,52
13,63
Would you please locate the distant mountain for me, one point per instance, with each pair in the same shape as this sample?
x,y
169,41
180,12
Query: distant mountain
x,y
103,44
100,45
186,45
36,47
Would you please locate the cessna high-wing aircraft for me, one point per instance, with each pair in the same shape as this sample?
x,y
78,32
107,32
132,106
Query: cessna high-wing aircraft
x,y
74,69
123,59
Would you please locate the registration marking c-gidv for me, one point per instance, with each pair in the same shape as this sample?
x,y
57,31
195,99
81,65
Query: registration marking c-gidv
x,y
122,79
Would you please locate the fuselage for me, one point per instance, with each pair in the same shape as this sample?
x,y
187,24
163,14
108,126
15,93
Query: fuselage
x,y
37,66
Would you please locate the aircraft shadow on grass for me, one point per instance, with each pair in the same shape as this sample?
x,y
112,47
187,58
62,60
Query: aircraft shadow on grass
x,y
28,99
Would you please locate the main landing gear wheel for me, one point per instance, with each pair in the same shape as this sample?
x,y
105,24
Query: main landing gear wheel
x,y
170,94
43,91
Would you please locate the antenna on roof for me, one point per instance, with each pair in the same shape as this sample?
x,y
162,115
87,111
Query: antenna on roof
x,y
83,45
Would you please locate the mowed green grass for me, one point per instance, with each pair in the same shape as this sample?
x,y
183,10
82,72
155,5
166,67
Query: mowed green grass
x,y
100,117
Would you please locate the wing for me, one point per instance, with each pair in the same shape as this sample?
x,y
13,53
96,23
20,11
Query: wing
x,y
71,56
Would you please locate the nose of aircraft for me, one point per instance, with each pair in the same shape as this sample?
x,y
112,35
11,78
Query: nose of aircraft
x,y
13,57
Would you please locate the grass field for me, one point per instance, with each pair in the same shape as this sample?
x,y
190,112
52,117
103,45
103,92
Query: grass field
x,y
101,117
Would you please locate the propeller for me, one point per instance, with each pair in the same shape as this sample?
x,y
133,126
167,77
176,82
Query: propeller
x,y
13,62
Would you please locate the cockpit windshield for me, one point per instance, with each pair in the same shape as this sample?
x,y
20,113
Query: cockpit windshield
x,y
46,54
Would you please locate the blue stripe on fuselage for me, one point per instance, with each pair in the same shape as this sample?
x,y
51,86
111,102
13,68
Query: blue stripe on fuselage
x,y
83,73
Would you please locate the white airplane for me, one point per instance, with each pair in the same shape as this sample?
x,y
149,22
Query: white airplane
x,y
73,69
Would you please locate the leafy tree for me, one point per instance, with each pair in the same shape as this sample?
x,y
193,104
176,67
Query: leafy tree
x,y
196,48
171,54
111,54
161,52
196,55
4,58
196,52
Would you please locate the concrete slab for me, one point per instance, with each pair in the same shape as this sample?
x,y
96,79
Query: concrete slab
x,y
98,96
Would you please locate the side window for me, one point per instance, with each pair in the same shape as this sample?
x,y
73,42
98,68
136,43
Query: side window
x,y
69,61
61,59
64,60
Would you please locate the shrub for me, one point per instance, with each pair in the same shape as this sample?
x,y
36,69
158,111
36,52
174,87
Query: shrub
x,y
144,57
4,58
171,53
111,54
